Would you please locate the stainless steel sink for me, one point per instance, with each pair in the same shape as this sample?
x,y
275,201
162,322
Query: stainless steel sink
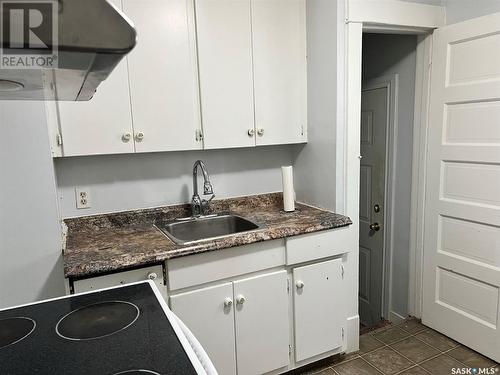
x,y
204,228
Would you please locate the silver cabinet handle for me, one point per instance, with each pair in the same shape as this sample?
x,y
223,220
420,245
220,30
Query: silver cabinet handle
x,y
299,284
126,137
260,132
228,302
152,276
251,132
240,300
139,137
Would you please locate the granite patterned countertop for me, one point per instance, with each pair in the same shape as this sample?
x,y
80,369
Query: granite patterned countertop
x,y
117,241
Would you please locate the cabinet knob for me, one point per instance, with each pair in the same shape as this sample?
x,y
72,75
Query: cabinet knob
x,y
228,302
299,284
251,132
152,276
126,137
240,300
139,137
260,132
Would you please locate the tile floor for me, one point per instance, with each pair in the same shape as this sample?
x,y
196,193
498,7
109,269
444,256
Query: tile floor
x,y
409,348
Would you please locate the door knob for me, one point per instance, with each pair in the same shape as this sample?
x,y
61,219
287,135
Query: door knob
x,y
228,302
240,300
139,137
152,276
299,284
126,137
375,227
260,132
251,132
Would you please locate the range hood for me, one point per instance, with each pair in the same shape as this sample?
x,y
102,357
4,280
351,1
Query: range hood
x,y
91,37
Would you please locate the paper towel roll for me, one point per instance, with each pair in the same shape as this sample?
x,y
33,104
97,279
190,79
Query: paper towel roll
x,y
288,191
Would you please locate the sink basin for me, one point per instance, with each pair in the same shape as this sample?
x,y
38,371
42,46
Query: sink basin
x,y
204,228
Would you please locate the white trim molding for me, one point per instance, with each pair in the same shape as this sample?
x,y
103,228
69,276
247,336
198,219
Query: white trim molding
x,y
396,13
420,127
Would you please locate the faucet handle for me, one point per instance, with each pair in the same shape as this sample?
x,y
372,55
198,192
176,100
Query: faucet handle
x,y
207,188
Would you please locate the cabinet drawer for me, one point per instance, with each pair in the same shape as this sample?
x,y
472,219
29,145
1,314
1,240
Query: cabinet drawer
x,y
121,278
320,245
217,265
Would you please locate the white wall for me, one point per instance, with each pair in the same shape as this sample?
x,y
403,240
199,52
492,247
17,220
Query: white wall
x,y
386,55
315,172
125,182
30,232
460,10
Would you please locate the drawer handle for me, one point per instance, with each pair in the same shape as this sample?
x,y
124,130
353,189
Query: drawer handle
x,y
228,302
240,300
152,276
299,284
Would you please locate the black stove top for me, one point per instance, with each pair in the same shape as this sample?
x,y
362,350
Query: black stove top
x,y
115,331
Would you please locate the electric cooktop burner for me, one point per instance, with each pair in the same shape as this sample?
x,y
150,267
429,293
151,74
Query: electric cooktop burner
x,y
137,372
13,330
97,320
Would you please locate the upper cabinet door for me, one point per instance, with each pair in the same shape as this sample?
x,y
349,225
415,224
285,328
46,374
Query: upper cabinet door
x,y
225,66
163,75
261,321
279,58
102,125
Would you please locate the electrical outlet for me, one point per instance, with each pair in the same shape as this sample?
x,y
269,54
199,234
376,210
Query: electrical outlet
x,y
82,197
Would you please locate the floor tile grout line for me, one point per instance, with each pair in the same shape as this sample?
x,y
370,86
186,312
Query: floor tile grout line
x,y
372,366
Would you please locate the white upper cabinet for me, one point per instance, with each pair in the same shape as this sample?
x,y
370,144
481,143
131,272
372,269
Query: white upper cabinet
x,y
205,74
225,68
279,61
102,125
163,75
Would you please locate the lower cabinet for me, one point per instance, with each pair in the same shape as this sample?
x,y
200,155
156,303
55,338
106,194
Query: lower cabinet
x,y
319,313
243,322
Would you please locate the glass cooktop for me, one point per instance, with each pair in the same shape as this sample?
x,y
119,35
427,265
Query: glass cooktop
x,y
116,331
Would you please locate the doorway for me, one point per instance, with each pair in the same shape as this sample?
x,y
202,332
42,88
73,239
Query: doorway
x,y
386,138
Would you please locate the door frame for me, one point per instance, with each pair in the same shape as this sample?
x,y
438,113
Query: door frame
x,y
402,18
391,83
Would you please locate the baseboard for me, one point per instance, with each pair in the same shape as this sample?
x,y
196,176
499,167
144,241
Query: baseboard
x,y
395,318
352,334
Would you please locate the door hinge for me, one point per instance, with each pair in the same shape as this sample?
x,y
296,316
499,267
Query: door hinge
x,y
59,139
199,135
343,271
342,333
288,285
301,129
289,350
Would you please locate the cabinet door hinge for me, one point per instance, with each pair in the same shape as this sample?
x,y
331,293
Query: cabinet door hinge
x,y
342,267
289,350
342,333
301,129
288,285
59,139
199,135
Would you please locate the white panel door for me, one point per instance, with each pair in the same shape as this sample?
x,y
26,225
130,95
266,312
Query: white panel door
x,y
318,308
225,66
279,59
102,125
163,75
261,320
205,314
462,222
371,203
